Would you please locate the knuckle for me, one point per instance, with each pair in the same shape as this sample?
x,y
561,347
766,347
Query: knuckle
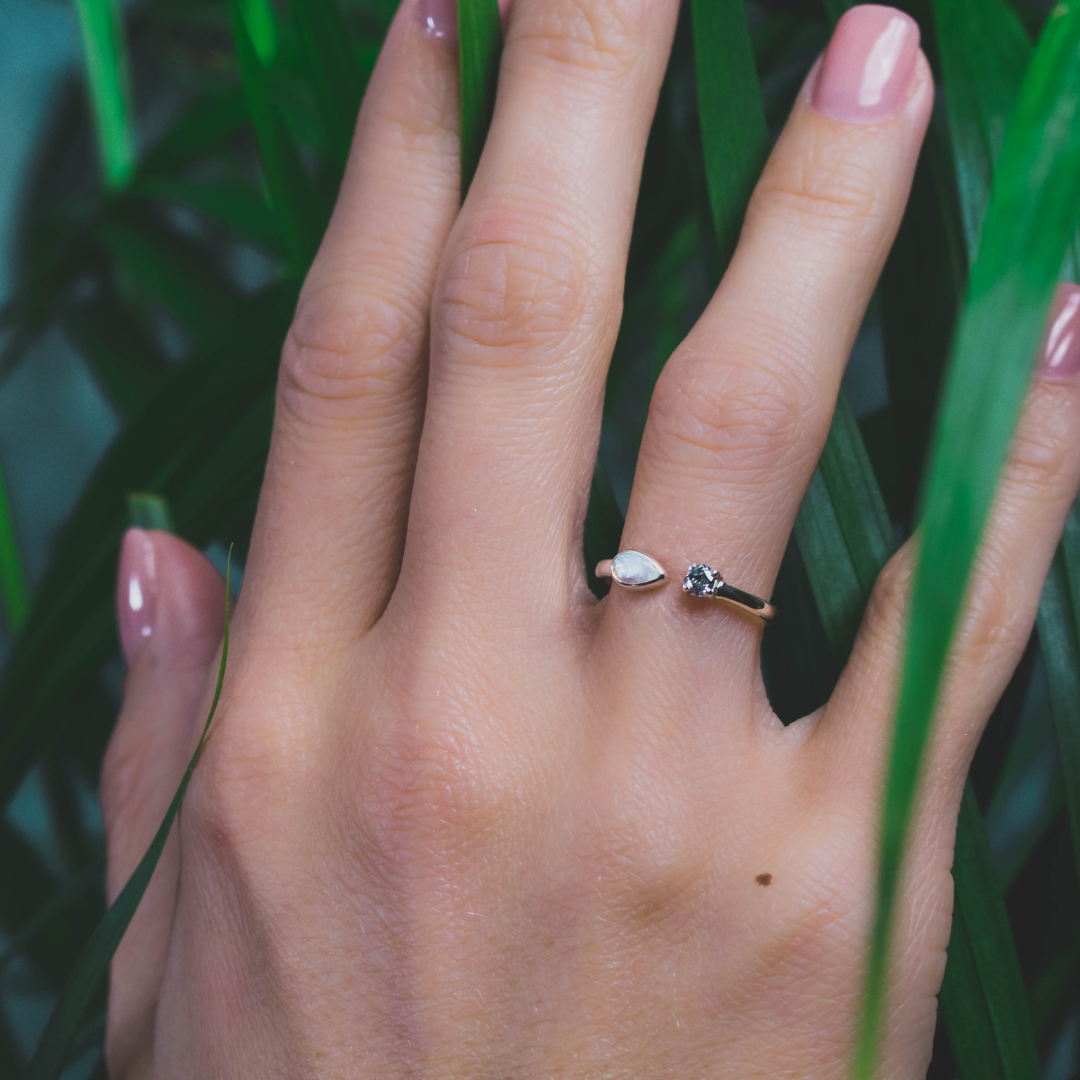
x,y
349,355
1035,463
241,791
826,190
743,421
889,598
522,284
992,626
597,38
431,796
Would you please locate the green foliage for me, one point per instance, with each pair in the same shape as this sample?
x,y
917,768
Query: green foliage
x,y
175,277
107,79
480,34
1028,228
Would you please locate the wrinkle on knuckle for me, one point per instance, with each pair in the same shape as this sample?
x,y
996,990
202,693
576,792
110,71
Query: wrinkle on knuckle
x,y
888,601
521,285
989,625
827,190
1035,464
349,354
598,38
742,422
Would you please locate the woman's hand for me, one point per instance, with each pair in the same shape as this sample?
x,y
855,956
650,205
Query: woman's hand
x,y
455,817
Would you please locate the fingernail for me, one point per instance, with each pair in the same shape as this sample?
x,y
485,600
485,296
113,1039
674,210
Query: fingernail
x,y
136,593
868,65
439,19
1060,356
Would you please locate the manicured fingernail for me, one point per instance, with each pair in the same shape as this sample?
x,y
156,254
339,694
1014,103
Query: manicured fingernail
x,y
439,19
136,593
1060,357
868,65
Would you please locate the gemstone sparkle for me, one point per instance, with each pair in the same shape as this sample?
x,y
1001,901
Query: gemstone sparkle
x,y
702,580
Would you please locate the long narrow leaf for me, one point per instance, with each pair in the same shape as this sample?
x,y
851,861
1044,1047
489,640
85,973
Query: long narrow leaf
x,y
292,195
984,53
65,1025
480,34
107,77
332,69
1031,215
1059,635
734,138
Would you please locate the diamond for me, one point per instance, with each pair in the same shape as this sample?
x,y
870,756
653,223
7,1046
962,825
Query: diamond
x,y
702,580
635,569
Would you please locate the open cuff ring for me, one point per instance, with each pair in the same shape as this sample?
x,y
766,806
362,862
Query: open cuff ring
x,y
635,570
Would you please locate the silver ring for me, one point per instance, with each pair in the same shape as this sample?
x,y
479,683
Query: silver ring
x,y
636,570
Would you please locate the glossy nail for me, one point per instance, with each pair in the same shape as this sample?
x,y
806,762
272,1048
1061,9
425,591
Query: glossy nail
x,y
868,65
136,593
1060,355
439,18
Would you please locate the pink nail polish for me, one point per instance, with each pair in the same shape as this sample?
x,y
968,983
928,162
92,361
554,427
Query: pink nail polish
x,y
136,593
439,19
868,65
1060,355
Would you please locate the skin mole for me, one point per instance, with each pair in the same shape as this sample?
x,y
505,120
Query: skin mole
x,y
764,879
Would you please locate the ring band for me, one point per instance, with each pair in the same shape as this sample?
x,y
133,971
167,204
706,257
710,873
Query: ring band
x,y
636,570
704,581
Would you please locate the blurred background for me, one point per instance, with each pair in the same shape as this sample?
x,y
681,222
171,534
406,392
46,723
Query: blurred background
x,y
144,291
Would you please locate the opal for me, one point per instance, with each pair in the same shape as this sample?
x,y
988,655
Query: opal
x,y
636,570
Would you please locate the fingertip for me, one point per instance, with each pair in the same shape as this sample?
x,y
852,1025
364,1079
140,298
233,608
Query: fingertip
x,y
1059,353
169,598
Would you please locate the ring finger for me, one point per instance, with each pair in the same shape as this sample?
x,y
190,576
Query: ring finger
x,y
742,409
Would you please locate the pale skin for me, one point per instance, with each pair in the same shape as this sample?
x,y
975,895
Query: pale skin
x,y
456,817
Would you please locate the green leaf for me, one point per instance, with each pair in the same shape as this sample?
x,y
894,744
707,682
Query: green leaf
x,y
202,444
237,207
480,37
734,138
62,1033
839,597
107,77
146,511
1059,636
201,130
161,264
13,585
302,213
262,28
118,347
1030,220
983,992
856,498
332,69
984,53
603,524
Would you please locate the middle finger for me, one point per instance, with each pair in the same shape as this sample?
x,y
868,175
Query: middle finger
x,y
528,304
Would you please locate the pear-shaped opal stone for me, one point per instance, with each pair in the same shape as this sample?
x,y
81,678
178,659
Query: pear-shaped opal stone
x,y
636,570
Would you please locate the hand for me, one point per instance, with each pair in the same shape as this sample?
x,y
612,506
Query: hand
x,y
455,817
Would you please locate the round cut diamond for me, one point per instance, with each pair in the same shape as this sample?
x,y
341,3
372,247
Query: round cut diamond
x,y
701,580
634,568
